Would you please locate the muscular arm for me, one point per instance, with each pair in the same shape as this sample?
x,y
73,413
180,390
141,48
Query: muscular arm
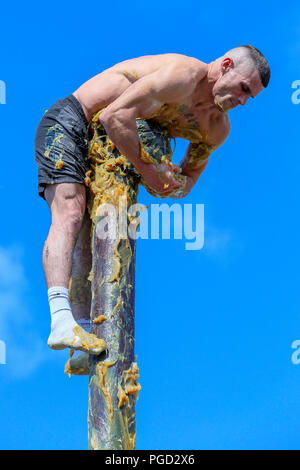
x,y
173,83
197,155
193,164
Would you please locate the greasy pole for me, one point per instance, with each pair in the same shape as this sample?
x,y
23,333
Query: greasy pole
x,y
113,386
113,186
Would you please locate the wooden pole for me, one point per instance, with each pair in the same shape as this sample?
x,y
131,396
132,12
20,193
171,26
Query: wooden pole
x,y
113,185
113,386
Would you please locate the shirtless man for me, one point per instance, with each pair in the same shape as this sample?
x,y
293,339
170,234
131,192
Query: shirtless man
x,y
188,97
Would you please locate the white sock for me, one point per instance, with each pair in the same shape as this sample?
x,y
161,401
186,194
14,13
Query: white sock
x,y
65,332
62,321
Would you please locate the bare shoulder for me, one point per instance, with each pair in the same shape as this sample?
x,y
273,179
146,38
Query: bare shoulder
x,y
219,130
189,63
181,58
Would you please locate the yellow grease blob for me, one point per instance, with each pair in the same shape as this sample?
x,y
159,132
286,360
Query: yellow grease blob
x,y
70,289
101,369
166,114
132,76
59,164
90,341
101,180
90,277
99,319
131,386
146,157
58,136
77,366
169,118
199,152
116,264
118,304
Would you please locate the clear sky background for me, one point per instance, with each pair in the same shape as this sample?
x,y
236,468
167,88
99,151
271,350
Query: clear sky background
x,y
214,327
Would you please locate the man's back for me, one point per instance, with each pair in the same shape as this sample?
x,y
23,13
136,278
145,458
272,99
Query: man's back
x,y
107,86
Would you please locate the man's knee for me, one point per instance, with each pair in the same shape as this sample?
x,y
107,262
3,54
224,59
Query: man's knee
x,y
72,219
67,202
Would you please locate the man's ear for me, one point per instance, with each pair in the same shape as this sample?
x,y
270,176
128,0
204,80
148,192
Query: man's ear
x,y
227,63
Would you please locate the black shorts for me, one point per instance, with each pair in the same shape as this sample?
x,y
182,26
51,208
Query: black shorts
x,y
61,144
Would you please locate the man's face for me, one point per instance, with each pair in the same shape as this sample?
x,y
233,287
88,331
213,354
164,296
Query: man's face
x,y
236,86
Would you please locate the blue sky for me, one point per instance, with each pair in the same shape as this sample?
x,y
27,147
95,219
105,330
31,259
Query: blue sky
x,y
214,327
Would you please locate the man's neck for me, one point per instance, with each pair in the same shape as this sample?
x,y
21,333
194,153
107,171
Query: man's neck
x,y
202,95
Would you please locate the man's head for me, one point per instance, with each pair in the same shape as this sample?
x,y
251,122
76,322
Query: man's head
x,y
240,74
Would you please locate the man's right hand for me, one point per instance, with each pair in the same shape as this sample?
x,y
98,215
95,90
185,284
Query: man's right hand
x,y
161,178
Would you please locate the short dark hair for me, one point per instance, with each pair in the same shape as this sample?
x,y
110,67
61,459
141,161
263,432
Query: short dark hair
x,y
260,63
